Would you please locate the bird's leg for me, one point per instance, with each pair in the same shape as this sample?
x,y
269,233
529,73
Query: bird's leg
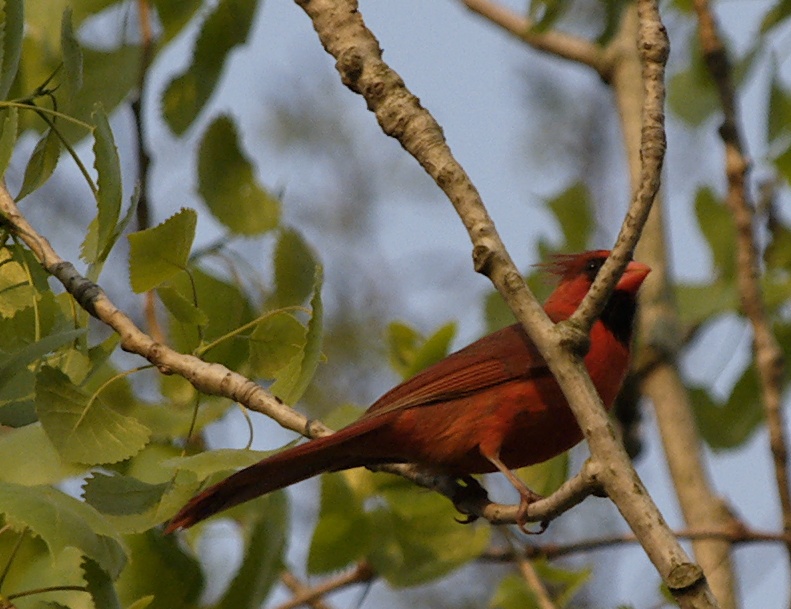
x,y
526,496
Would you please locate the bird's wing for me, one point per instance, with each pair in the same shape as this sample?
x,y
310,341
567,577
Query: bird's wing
x,y
498,358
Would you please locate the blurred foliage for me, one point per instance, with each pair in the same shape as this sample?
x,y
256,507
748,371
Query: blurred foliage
x,y
69,409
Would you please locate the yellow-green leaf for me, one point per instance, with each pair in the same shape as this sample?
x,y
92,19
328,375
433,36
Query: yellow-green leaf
x,y
158,253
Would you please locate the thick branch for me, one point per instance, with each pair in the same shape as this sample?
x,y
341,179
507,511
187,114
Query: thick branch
x,y
341,29
658,337
768,355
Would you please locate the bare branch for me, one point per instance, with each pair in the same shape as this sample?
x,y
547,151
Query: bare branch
x,y
768,355
343,34
736,535
563,45
362,573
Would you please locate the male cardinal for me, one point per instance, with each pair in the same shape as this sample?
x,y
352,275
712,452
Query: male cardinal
x,y
493,405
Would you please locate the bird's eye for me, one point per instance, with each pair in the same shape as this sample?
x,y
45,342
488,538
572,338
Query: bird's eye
x,y
592,268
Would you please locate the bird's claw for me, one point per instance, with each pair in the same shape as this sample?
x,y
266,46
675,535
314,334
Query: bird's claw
x,y
521,514
468,490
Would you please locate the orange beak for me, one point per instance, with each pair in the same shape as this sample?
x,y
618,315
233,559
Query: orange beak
x,y
633,277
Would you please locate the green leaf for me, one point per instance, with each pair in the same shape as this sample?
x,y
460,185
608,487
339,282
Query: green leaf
x,y
228,185
134,506
691,95
182,309
698,303
545,478
82,427
109,195
61,522
41,164
779,108
776,15
12,26
513,593
295,269
227,308
263,561
16,290
418,539
716,224
8,134
16,446
729,425
223,460
275,341
572,209
296,376
100,586
14,363
410,353
343,532
225,28
175,15
160,567
157,254
72,56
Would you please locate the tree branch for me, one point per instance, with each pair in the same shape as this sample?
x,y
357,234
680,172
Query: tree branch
x,y
768,355
556,43
735,535
343,34
361,573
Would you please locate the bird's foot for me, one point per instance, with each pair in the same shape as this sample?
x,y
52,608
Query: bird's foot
x,y
468,490
526,498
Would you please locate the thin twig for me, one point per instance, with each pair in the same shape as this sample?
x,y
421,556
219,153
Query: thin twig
x,y
556,43
736,535
768,355
360,574
344,35
298,588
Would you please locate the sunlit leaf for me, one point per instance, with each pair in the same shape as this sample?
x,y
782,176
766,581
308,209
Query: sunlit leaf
x,y
82,427
228,184
274,342
8,134
62,521
296,376
109,194
182,309
16,291
158,253
16,446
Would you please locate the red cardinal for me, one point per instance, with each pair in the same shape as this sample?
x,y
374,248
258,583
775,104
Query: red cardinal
x,y
492,406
